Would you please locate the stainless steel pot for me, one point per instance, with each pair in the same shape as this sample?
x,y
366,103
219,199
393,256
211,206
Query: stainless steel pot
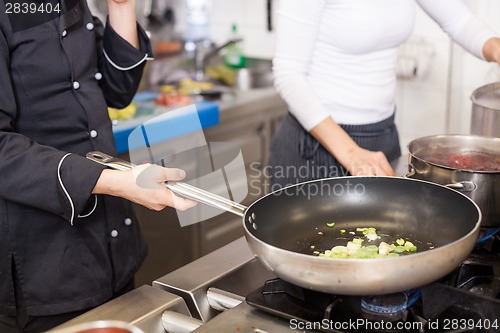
x,y
486,110
483,187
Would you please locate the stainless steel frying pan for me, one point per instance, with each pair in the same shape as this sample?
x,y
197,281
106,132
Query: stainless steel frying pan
x,y
282,227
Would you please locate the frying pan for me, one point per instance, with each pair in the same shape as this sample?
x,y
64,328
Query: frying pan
x,y
282,227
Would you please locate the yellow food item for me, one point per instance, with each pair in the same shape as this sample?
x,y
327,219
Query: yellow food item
x,y
221,73
166,88
127,112
186,87
188,83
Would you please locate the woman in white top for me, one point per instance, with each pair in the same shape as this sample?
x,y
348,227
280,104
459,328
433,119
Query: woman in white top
x,y
334,65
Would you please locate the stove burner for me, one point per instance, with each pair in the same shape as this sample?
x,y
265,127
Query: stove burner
x,y
471,292
288,301
384,307
487,234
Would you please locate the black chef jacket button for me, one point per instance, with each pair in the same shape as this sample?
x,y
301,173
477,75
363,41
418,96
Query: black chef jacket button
x,y
89,26
98,76
93,134
127,221
114,233
76,85
64,33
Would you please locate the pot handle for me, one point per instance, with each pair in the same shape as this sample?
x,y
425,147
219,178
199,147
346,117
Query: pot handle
x,y
182,189
411,171
463,186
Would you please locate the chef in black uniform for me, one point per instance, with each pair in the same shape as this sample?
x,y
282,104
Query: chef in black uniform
x,y
68,239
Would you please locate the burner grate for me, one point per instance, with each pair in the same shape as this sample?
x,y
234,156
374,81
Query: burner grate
x,y
291,302
470,294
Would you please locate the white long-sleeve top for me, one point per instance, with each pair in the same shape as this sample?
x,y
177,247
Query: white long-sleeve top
x,y
338,57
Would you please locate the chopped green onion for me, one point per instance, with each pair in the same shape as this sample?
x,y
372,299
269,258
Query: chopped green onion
x,y
357,241
356,249
399,249
384,248
409,246
372,237
369,231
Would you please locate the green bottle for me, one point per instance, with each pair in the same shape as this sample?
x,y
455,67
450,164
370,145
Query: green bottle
x,y
234,57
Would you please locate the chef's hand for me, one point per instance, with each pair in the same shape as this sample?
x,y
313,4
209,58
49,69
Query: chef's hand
x,y
144,185
122,18
358,161
362,162
491,50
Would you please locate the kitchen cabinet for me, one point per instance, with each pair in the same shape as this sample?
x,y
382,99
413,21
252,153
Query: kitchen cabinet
x,y
247,121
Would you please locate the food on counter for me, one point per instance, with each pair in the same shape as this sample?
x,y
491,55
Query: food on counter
x,y
166,48
170,100
356,248
221,73
188,86
127,112
178,94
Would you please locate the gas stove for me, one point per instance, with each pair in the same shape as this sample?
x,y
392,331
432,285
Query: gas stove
x,y
230,291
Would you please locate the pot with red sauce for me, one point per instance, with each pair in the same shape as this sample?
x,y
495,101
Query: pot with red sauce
x,y
467,163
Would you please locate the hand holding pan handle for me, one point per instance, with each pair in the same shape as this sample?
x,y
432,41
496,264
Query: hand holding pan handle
x,y
182,189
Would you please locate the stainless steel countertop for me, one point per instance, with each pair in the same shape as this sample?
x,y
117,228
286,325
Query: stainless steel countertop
x,y
141,307
239,98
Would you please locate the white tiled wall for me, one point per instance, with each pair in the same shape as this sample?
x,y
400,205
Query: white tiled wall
x,y
470,73
250,17
422,102
435,103
440,103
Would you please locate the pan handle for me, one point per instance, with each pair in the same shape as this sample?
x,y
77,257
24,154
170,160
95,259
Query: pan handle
x,y
182,189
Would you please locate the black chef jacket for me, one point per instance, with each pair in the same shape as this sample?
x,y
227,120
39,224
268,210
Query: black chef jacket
x,y
70,249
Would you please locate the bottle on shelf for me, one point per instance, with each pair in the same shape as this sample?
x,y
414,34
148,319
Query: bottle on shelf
x,y
198,19
234,56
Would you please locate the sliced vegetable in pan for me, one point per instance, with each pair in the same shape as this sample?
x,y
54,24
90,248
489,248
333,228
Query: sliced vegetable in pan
x,y
363,248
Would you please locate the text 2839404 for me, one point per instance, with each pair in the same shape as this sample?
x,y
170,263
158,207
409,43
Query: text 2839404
x,y
14,7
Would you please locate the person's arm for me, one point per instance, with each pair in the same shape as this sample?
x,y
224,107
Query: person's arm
x,y
296,34
123,48
464,28
122,19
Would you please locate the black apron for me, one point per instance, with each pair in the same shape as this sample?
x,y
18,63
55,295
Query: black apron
x,y
296,156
